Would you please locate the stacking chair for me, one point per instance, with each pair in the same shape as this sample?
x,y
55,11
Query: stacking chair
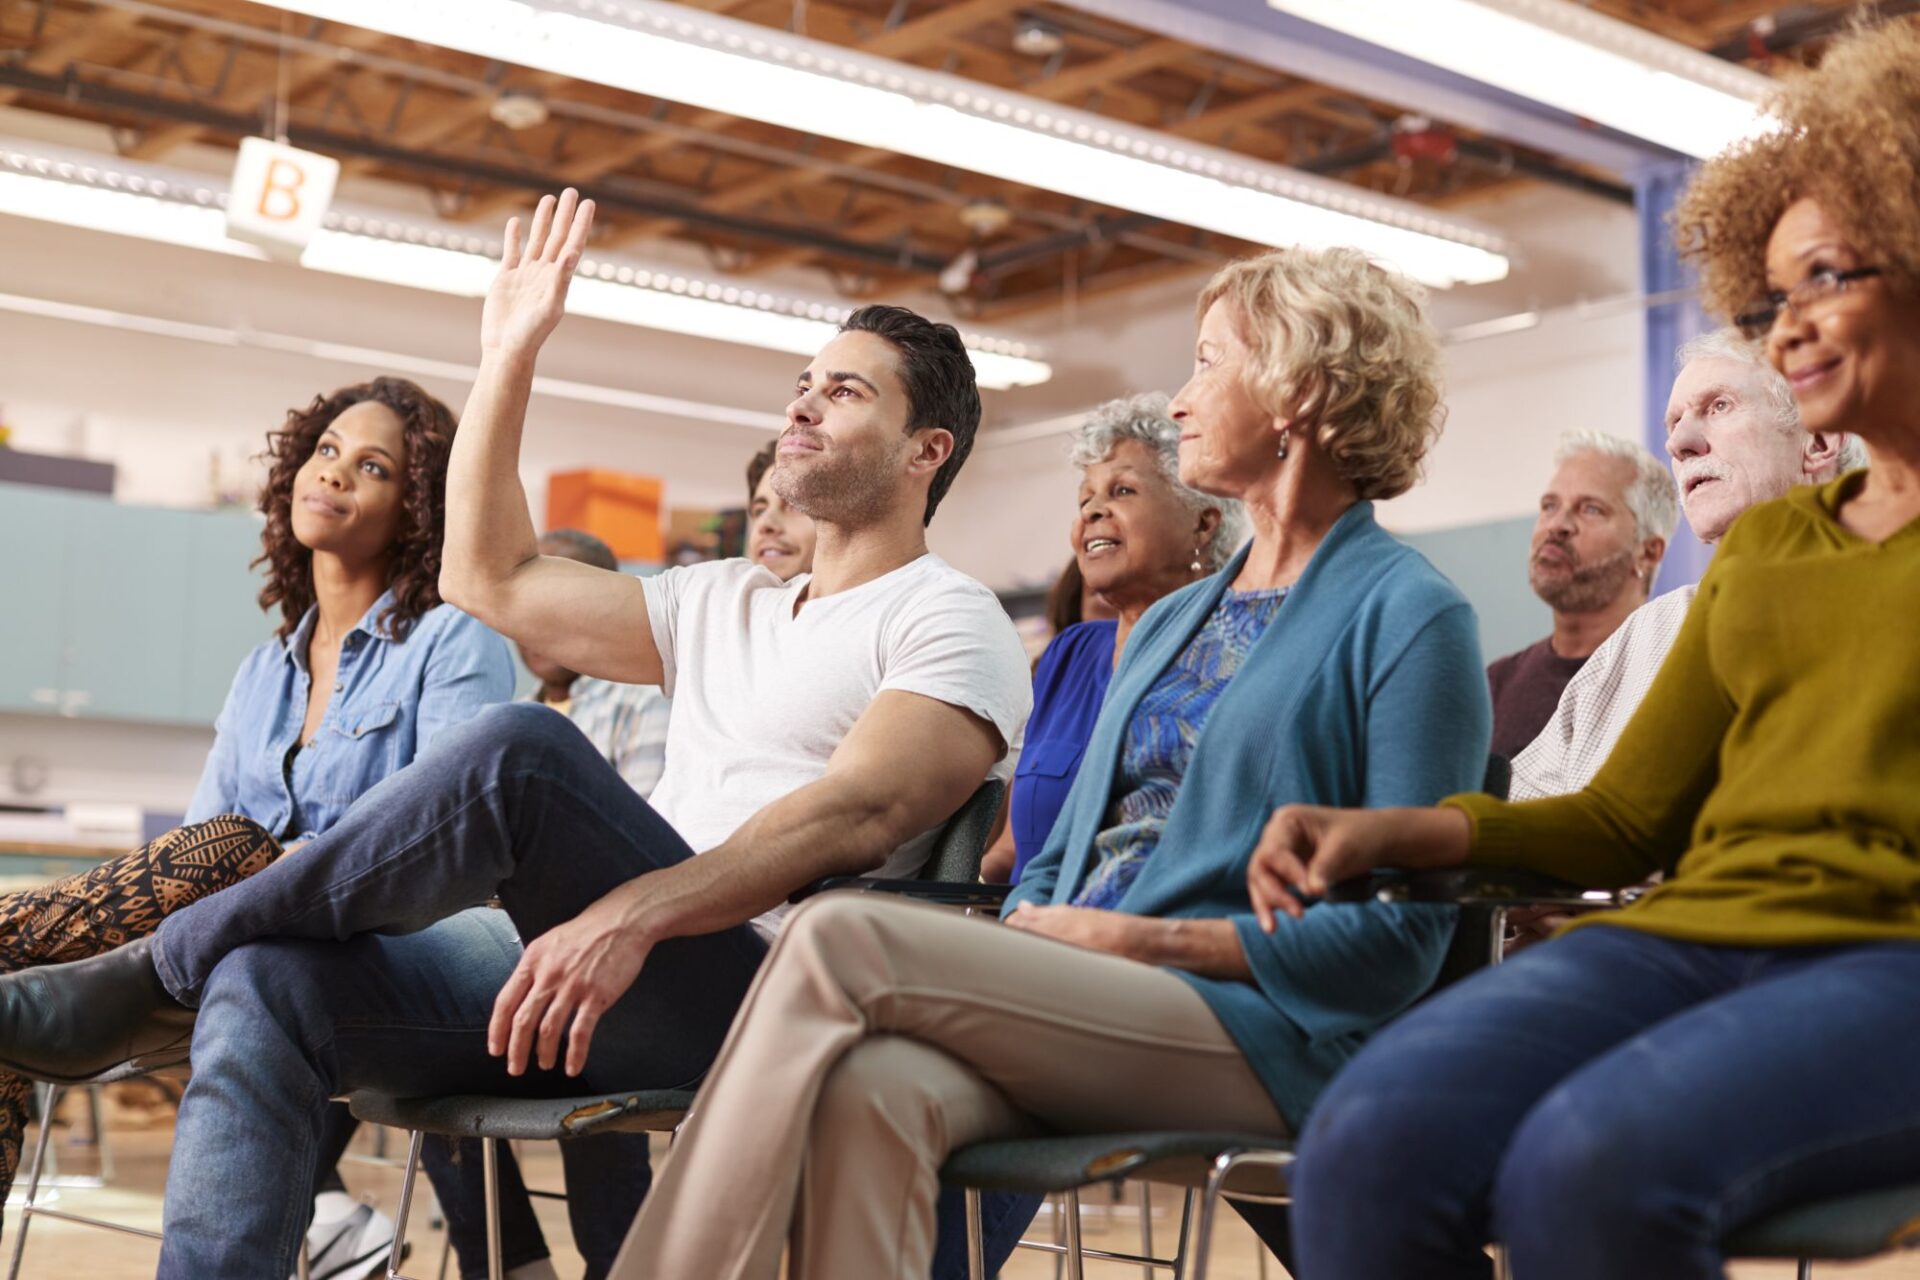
x,y
1841,1229
31,1207
949,878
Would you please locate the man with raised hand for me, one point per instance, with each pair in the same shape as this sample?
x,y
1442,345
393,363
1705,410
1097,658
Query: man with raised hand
x,y
824,725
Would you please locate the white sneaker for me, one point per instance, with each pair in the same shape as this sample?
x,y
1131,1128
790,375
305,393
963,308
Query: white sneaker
x,y
348,1240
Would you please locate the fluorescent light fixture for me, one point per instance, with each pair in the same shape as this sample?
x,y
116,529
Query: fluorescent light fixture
x,y
1567,56
185,209
387,361
720,64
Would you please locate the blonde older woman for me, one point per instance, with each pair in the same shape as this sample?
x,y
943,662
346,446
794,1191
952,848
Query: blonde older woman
x,y
1138,534
1134,987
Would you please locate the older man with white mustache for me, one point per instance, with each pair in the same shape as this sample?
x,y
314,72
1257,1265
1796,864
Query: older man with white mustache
x,y
1733,432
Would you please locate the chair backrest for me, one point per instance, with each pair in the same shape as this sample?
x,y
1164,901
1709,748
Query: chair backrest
x,y
963,842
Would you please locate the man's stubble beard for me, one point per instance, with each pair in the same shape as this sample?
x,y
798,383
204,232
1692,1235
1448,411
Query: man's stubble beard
x,y
843,490
1590,586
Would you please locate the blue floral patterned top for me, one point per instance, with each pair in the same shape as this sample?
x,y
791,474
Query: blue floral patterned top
x,y
1160,741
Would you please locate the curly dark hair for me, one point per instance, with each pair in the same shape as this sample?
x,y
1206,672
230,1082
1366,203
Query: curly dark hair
x,y
429,427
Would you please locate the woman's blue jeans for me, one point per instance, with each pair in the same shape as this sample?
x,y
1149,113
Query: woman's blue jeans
x,y
1612,1104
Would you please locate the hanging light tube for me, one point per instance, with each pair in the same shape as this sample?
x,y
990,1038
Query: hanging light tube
x,y
682,55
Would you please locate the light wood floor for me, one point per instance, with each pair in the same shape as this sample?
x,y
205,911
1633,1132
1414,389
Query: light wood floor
x,y
62,1251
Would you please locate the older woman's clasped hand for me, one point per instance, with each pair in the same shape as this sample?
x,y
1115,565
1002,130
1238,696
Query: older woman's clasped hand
x,y
1305,849
1114,932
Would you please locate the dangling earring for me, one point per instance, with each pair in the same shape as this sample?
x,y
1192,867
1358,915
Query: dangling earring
x,y
1196,566
1284,436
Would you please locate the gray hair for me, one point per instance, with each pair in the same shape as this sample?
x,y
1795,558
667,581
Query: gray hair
x,y
1731,344
1144,418
580,545
1653,496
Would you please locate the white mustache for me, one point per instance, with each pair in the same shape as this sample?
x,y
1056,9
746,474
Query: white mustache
x,y
1706,469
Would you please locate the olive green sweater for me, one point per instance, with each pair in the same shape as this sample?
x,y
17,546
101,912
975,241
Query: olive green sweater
x,y
1774,767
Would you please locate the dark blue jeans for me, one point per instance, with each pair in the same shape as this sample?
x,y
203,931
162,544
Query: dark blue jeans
x,y
352,964
1613,1104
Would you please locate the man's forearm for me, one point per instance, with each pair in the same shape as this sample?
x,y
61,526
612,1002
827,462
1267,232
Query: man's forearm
x,y
820,830
490,532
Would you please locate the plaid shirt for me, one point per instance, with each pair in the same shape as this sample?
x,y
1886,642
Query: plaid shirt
x,y
1597,703
627,723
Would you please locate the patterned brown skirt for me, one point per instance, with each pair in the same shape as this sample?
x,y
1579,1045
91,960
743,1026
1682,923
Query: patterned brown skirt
x,y
116,902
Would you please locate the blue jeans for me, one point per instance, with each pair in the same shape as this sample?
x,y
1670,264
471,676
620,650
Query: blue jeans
x,y
1612,1104
355,963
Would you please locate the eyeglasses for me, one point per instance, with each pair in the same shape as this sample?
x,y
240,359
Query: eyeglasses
x,y
1757,321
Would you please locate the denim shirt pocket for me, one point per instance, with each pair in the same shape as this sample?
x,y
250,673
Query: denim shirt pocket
x,y
362,746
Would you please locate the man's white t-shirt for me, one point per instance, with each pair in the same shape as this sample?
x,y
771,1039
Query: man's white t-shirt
x,y
762,695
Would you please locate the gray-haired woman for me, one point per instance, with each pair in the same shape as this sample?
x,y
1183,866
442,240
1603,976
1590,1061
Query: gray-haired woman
x,y
1138,534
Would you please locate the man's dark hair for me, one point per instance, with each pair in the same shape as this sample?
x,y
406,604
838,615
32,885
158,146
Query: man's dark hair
x,y
584,547
757,469
938,375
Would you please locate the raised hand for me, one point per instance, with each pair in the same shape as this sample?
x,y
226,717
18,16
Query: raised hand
x,y
529,295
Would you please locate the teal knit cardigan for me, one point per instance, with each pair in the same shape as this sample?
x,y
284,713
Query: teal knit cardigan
x,y
1366,690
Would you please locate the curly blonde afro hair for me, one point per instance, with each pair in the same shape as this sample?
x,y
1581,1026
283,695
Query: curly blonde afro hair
x,y
1849,137
1342,345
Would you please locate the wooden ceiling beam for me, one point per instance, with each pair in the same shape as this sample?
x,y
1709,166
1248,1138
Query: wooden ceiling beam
x,y
448,121
255,85
52,56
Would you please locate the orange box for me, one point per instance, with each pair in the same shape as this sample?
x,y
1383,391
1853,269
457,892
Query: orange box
x,y
621,510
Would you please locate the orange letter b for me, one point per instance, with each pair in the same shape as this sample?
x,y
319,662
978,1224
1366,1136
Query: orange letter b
x,y
278,194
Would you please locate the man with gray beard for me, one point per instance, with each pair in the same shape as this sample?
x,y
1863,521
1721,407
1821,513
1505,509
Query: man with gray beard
x,y
1604,522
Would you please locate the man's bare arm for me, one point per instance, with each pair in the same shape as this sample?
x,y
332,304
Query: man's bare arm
x,y
587,619
907,765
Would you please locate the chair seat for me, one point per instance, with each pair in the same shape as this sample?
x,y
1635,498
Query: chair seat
x,y
526,1119
1068,1161
1856,1226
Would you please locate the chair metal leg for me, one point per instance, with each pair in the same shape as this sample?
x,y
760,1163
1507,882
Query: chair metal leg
x,y
1146,1229
47,1101
490,1168
976,1244
397,1250
95,1095
1805,1270
1185,1240
1076,1263
1209,1205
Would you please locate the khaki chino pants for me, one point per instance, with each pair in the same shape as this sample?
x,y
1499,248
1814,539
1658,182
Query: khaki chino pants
x,y
879,1036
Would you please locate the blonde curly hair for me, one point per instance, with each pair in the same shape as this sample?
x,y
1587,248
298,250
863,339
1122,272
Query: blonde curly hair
x,y
1340,346
1849,137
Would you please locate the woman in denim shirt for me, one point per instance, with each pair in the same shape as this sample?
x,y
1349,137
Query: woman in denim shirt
x,y
366,668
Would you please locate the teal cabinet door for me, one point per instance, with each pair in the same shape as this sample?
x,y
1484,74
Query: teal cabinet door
x,y
126,611
223,611
33,548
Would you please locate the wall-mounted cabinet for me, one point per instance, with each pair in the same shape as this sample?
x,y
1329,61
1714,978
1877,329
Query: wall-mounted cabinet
x,y
119,612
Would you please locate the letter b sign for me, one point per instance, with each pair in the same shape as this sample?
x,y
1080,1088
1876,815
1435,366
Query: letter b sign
x,y
279,196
